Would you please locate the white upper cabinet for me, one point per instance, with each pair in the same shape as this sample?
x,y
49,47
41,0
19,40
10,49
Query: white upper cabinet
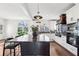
x,y
76,11
69,15
73,14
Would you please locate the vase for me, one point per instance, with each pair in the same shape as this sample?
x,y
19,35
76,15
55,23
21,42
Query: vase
x,y
34,36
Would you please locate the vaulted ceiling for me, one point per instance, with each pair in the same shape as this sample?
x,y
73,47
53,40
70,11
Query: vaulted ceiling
x,y
26,11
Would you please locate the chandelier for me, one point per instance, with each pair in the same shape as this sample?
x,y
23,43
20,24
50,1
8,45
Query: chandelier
x,y
38,12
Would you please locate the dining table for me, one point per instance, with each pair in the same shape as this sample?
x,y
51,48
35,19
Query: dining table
x,y
31,48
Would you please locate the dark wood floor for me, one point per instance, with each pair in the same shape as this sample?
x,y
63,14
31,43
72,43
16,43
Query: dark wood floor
x,y
55,50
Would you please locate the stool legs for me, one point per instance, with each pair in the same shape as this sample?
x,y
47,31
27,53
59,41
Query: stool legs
x,y
18,50
3,51
14,51
10,52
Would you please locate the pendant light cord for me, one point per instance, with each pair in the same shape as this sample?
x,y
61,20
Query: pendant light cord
x,y
38,8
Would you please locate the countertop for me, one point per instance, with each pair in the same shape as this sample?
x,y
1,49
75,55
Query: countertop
x,y
28,38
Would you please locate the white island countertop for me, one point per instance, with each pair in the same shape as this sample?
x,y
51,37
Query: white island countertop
x,y
43,37
28,38
24,38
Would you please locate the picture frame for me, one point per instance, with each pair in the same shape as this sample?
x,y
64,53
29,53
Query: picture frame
x,y
1,29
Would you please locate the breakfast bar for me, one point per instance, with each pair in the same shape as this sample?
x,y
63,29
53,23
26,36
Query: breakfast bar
x,y
30,48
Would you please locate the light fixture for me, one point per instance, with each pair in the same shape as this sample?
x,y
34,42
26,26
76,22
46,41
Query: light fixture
x,y
37,17
38,22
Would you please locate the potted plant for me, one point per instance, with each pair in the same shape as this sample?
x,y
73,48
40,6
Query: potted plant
x,y
34,30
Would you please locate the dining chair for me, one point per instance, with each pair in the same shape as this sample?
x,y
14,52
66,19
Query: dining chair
x,y
9,45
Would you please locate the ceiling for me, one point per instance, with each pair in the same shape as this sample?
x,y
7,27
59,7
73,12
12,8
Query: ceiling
x,y
26,11
48,10
13,11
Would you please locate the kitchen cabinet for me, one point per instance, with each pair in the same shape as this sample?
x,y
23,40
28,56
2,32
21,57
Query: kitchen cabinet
x,y
76,12
73,14
62,41
35,48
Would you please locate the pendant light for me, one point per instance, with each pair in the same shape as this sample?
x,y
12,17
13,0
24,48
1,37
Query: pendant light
x,y
37,17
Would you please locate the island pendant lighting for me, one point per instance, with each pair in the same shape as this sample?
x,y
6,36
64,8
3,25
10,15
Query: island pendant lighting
x,y
37,17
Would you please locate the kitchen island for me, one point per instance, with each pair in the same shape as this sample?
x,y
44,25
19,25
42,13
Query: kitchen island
x,y
30,48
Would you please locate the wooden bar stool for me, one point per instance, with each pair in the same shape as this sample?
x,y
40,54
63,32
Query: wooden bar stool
x,y
9,45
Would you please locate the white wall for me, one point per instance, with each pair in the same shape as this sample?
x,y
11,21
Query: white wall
x,y
52,25
3,23
11,28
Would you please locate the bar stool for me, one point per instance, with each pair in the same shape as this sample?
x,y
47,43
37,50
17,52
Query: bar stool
x,y
9,45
